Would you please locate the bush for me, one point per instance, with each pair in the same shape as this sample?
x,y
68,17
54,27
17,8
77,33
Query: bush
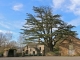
x,y
1,54
50,53
18,54
56,52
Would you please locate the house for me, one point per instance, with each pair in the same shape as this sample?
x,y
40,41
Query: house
x,y
34,49
70,47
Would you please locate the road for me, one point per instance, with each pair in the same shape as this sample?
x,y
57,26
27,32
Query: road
x,y
40,58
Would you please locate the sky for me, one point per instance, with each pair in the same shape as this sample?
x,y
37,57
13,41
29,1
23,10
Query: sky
x,y
13,13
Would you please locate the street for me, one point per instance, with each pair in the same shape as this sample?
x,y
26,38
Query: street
x,y
41,58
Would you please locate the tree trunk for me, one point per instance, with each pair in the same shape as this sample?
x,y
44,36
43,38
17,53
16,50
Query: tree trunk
x,y
51,47
50,44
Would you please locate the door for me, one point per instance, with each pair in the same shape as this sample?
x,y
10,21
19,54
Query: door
x,y
33,52
11,53
71,50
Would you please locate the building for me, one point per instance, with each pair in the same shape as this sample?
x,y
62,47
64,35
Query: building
x,y
70,47
34,49
9,52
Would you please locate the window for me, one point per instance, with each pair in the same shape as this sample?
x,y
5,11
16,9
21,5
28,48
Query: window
x,y
33,52
26,51
40,48
71,50
70,47
23,49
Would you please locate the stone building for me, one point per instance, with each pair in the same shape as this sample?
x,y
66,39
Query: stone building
x,y
34,49
9,52
70,47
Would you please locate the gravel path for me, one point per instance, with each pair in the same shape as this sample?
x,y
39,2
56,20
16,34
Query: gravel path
x,y
40,58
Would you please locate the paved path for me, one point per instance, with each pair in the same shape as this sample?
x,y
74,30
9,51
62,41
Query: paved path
x,y
40,58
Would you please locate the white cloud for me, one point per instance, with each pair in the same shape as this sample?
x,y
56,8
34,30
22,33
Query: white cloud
x,y
4,25
57,3
5,31
12,25
68,5
75,22
14,34
3,22
17,7
17,24
74,7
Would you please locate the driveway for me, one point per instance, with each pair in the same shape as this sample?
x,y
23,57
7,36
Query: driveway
x,y
40,58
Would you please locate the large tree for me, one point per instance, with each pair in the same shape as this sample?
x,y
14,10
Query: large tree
x,y
46,26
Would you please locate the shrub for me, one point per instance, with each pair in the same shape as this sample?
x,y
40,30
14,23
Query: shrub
x,y
1,54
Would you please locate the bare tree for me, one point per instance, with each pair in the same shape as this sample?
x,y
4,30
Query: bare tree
x,y
20,43
5,38
12,44
2,39
8,36
20,40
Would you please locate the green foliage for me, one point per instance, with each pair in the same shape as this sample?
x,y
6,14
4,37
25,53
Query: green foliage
x,y
42,25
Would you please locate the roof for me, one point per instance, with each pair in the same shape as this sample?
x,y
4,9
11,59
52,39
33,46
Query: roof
x,y
9,48
33,44
70,40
